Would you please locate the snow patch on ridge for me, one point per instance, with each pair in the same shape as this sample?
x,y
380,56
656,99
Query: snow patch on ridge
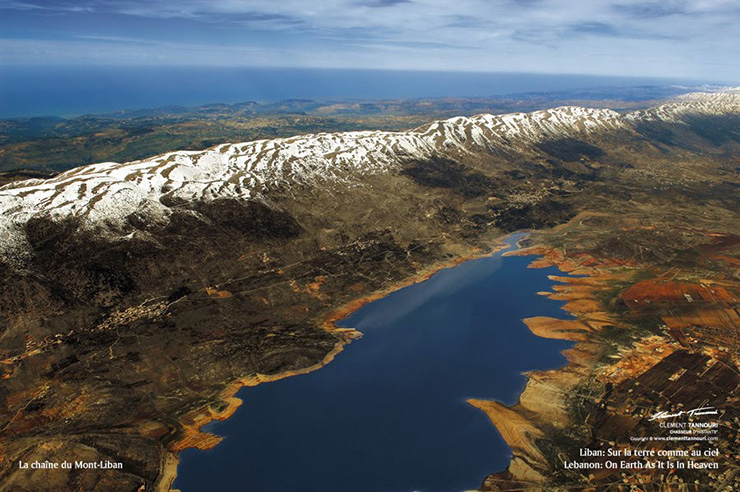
x,y
695,103
104,195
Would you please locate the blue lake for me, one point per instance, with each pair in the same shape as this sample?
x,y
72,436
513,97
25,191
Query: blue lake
x,y
390,413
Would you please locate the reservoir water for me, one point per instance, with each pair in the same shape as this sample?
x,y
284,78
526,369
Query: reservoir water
x,y
390,413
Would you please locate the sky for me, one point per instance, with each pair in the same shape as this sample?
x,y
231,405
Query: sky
x,y
670,38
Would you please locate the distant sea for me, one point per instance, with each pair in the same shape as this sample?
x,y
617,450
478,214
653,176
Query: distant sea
x,y
74,91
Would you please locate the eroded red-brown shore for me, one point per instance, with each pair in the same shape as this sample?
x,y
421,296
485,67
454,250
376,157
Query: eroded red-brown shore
x,y
675,352
544,397
192,423
544,405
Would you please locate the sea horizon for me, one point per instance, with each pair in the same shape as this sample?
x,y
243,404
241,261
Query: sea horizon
x,y
67,91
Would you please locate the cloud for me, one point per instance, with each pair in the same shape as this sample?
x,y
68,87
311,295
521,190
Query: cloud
x,y
670,36
263,20
650,10
597,28
668,8
381,3
610,30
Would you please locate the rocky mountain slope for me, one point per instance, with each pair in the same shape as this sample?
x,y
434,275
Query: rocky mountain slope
x,y
160,285
104,195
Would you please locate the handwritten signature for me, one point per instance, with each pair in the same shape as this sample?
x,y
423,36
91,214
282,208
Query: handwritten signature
x,y
685,413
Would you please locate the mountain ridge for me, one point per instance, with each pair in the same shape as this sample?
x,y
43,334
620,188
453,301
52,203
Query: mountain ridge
x,y
187,273
104,195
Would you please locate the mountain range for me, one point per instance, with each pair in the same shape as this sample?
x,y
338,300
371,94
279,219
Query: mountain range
x,y
161,285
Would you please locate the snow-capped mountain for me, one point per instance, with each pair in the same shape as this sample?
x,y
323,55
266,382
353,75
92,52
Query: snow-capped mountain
x,y
103,195
695,103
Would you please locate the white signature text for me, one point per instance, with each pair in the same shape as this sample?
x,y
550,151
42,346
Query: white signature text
x,y
696,412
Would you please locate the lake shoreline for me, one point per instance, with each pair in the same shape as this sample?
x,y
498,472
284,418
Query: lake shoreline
x,y
542,404
194,437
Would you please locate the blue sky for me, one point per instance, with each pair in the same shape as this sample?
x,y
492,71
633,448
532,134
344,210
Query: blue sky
x,y
670,38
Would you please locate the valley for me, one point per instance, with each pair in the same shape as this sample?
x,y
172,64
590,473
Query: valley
x,y
163,285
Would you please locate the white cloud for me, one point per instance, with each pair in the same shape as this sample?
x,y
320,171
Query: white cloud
x,y
679,38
